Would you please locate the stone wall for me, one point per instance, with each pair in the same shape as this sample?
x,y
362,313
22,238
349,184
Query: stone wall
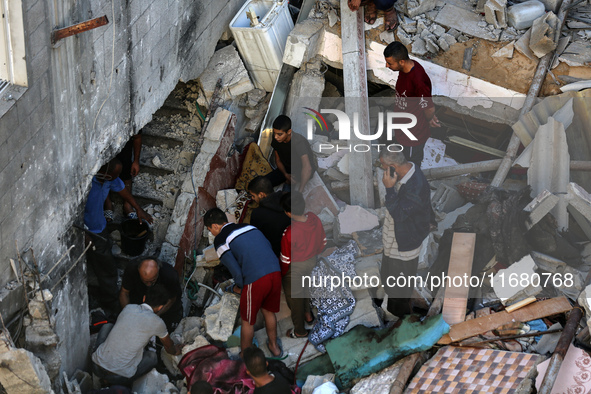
x,y
86,96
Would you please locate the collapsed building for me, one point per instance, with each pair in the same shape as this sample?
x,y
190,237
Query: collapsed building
x,y
78,97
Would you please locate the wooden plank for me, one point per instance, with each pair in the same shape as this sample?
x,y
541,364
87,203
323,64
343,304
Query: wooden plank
x,y
476,146
460,266
57,35
483,324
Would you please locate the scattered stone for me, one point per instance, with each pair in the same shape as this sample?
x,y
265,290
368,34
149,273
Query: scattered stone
x,y
449,39
542,34
18,364
577,54
447,199
409,26
40,334
413,8
491,28
37,309
453,32
335,174
522,45
511,292
495,13
220,318
353,219
419,47
431,45
425,33
422,25
387,36
482,24
327,218
506,51
156,161
437,29
443,44
255,96
462,38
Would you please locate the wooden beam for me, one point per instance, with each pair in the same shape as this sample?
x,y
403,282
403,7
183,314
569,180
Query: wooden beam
x,y
58,34
460,266
480,325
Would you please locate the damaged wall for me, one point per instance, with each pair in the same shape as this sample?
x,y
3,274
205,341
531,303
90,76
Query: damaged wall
x,y
85,97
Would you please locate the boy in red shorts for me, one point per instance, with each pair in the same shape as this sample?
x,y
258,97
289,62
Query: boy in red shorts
x,y
248,255
302,241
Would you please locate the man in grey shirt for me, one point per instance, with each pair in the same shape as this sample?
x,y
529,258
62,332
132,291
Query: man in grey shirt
x,y
119,354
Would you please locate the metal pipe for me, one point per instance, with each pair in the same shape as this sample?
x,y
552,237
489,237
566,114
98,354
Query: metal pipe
x,y
534,91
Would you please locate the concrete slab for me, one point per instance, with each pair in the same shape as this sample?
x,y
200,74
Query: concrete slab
x,y
303,42
355,218
550,167
220,318
522,45
577,54
366,267
542,34
495,13
539,207
506,51
414,8
464,21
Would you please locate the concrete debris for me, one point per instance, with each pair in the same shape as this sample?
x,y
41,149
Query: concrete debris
x,y
462,38
429,252
365,313
522,15
80,383
220,318
388,36
314,381
153,383
353,219
506,51
343,164
584,300
577,54
414,8
542,34
449,39
409,26
255,97
511,293
450,219
333,18
419,47
305,91
335,174
443,44
431,44
369,242
22,372
495,13
437,29
522,45
327,218
226,64
465,21
548,343
539,207
303,42
580,207
37,309
447,199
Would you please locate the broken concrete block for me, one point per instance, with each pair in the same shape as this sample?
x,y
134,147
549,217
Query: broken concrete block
x,y
255,96
426,33
171,362
178,218
419,47
409,26
353,219
542,34
40,335
151,383
168,253
431,45
369,242
447,199
37,309
302,42
506,51
577,54
220,318
388,36
305,91
585,301
522,45
539,207
454,33
227,65
462,38
443,44
436,29
44,295
318,197
333,18
379,382
314,381
508,286
449,39
464,20
495,13
413,8
19,364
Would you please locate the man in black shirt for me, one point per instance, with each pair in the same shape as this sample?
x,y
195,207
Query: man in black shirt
x,y
295,160
139,276
269,217
256,368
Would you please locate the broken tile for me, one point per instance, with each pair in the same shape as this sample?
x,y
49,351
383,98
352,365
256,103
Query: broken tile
x,y
495,13
512,292
543,30
506,51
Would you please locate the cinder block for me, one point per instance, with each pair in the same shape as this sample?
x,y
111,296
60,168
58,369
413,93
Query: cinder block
x,y
495,13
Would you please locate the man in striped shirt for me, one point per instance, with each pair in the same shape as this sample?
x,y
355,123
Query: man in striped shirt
x,y
248,255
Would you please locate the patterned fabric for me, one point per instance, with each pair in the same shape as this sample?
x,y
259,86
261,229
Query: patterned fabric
x,y
254,165
471,370
334,305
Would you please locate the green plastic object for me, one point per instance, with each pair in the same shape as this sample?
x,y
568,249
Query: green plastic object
x,y
363,351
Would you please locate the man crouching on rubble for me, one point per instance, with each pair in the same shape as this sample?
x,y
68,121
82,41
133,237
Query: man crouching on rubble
x,y
248,255
120,354
408,201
